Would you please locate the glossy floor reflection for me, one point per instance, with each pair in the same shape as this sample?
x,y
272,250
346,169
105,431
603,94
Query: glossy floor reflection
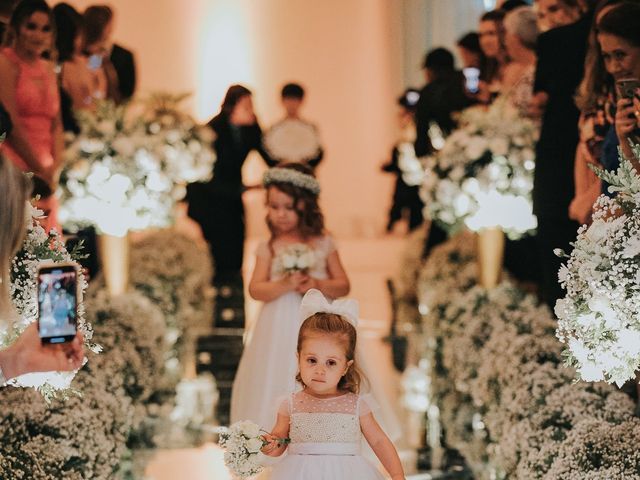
x,y
369,262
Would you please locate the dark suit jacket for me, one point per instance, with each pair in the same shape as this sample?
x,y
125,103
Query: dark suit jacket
x,y
561,52
438,100
124,64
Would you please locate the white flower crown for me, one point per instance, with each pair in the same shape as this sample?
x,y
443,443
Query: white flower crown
x,y
287,175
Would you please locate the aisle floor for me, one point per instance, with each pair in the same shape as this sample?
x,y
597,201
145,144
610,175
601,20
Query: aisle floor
x,y
369,262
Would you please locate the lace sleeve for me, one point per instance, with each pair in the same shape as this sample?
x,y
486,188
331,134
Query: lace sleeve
x,y
366,405
284,408
328,245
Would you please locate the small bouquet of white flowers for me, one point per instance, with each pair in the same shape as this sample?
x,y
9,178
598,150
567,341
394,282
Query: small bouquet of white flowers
x,y
598,318
297,257
242,442
483,175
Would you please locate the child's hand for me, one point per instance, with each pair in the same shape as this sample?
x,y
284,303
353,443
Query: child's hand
x,y
270,445
307,284
293,280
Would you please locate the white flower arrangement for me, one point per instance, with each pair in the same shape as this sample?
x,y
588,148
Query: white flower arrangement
x,y
39,246
598,318
504,398
126,173
483,175
297,257
242,443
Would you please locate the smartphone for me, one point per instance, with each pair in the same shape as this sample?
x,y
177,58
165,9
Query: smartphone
x,y
57,302
95,61
627,87
472,79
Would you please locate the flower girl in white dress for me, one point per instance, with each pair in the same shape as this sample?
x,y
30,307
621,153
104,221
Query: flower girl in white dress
x,y
299,256
325,421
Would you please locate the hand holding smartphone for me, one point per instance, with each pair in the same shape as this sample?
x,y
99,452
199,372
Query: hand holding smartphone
x,y
58,296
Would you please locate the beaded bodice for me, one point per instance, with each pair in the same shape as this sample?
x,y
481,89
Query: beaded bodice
x,y
331,420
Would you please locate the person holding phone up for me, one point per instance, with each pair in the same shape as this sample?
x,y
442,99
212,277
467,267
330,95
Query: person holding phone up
x,y
619,41
28,354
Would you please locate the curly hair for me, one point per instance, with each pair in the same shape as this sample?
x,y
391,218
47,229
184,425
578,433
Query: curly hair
x,y
305,203
323,323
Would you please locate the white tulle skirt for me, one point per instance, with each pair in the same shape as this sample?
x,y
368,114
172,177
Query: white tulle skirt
x,y
325,467
267,370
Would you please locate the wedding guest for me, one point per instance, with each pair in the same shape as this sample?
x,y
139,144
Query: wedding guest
x,y
442,96
68,30
406,197
27,354
561,54
217,205
619,40
99,24
298,130
29,93
556,13
491,31
87,75
521,35
470,52
596,101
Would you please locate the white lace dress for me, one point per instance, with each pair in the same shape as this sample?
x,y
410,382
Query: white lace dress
x,y
325,439
268,365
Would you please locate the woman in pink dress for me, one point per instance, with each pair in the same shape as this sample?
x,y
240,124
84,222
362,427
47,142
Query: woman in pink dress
x,y
29,93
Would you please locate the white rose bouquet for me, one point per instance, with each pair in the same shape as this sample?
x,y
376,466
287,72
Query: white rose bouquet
x,y
126,170
483,175
297,257
598,318
242,443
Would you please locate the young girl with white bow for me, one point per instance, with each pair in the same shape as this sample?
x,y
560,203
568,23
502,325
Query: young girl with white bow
x,y
300,255
326,419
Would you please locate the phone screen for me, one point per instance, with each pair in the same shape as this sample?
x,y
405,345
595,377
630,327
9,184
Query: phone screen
x,y
472,79
627,87
57,303
95,61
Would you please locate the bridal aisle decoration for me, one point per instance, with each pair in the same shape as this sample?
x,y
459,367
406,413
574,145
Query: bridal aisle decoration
x,y
498,383
483,175
128,388
127,169
599,320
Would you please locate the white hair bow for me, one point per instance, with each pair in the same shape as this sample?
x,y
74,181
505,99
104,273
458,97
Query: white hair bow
x,y
314,302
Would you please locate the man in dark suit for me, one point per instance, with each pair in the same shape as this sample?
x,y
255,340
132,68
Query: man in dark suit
x,y
125,66
561,53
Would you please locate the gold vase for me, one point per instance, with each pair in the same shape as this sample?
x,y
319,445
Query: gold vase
x,y
114,260
490,256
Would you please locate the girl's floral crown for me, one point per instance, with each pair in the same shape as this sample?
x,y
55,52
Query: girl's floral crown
x,y
315,302
294,177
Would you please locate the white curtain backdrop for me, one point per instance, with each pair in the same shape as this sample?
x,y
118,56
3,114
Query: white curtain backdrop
x,y
429,24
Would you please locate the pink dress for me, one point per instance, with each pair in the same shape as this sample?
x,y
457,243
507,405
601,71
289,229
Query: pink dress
x,y
38,105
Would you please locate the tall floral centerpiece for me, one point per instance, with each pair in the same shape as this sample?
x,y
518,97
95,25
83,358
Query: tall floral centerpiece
x,y
126,170
598,317
482,179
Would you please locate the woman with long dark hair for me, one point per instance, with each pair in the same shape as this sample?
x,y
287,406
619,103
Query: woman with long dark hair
x,y
217,205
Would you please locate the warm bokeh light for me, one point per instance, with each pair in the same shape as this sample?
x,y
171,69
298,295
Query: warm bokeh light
x,y
224,54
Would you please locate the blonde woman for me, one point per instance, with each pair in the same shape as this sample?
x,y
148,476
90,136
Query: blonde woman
x,y
27,354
